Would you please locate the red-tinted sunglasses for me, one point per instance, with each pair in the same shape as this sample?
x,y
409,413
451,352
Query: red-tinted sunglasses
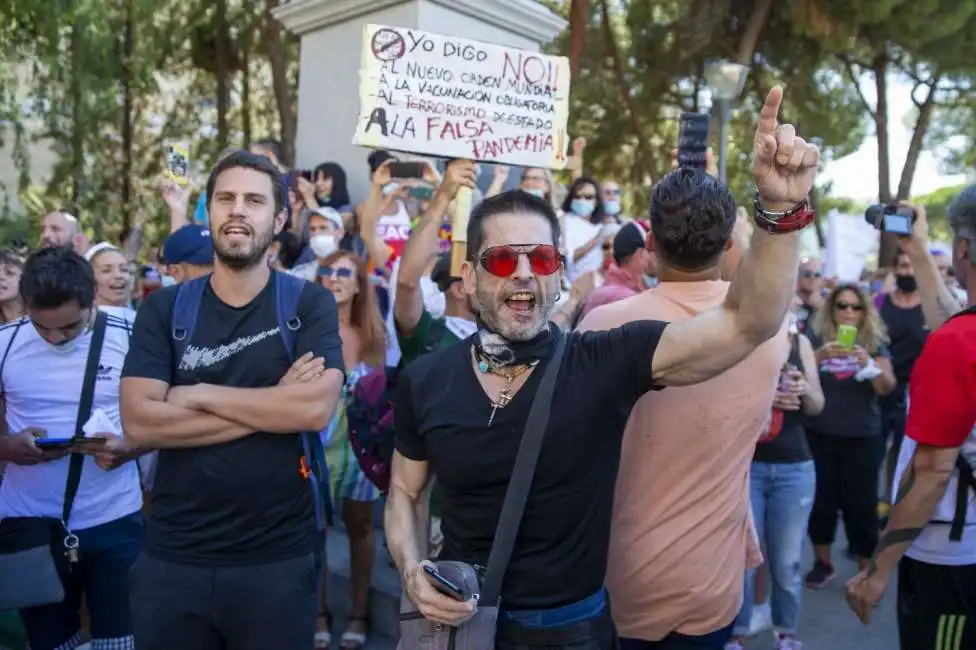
x,y
501,261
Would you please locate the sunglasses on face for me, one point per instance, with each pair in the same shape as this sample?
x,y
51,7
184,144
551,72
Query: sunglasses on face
x,y
611,192
341,272
847,306
501,261
810,274
586,197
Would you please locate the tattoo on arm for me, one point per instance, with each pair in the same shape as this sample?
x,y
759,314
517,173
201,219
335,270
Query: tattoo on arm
x,y
907,483
889,539
565,318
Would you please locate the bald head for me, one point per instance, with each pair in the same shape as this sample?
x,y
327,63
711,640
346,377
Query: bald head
x,y
57,230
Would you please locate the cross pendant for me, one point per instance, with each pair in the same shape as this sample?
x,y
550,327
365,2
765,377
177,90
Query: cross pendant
x,y
491,418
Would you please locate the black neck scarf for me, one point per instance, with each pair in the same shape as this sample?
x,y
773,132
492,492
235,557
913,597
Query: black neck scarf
x,y
499,352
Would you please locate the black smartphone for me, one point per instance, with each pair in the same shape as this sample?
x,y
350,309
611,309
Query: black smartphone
x,y
444,585
692,140
407,170
53,444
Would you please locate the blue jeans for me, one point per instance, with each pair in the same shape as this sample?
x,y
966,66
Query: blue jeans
x,y
102,575
782,496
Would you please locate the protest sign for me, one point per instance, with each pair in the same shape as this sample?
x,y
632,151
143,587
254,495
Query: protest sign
x,y
452,97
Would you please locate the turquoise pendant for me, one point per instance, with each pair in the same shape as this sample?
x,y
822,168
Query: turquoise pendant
x,y
483,366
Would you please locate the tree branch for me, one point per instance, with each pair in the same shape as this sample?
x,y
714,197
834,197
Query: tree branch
x,y
852,75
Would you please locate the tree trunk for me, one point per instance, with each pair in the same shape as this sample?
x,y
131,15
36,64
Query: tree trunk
x,y
77,114
280,83
888,243
127,117
579,21
623,84
880,69
752,32
246,91
918,138
223,72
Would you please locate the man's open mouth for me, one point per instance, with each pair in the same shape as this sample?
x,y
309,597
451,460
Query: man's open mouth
x,y
522,302
237,230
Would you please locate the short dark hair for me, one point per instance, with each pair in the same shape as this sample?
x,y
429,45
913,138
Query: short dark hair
x,y
9,258
692,216
53,277
598,213
270,145
249,160
962,213
513,201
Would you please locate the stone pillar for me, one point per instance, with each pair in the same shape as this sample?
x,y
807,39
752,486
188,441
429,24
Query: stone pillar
x,y
331,42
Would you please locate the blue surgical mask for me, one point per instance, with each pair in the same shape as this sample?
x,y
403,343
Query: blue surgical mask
x,y
650,281
582,207
537,192
612,207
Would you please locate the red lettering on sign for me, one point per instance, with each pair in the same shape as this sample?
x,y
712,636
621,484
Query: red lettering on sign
x,y
497,147
456,129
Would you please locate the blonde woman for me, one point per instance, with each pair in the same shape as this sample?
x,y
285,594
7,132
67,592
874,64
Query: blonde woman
x,y
846,437
113,290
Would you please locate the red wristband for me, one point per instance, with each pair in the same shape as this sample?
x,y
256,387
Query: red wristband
x,y
778,223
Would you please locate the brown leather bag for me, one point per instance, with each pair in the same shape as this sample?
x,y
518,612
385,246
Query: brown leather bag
x,y
478,633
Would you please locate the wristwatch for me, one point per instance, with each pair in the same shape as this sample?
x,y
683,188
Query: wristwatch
x,y
778,223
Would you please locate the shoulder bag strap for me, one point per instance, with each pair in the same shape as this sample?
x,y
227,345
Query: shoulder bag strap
x,y
518,487
84,411
186,309
288,294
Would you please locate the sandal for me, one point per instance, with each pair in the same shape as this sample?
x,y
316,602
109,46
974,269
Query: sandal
x,y
323,637
354,640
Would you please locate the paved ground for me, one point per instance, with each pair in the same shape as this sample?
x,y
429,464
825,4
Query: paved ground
x,y
829,625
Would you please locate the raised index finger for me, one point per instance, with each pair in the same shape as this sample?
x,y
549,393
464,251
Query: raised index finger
x,y
770,111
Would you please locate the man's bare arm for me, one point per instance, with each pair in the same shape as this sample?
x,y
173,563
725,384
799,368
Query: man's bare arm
x,y
938,303
759,296
919,493
404,511
150,422
304,406
785,167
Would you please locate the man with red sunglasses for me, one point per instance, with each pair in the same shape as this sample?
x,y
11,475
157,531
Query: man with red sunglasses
x,y
461,412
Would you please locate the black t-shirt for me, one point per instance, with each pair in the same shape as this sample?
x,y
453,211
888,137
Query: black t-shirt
x,y
442,414
851,408
790,446
907,333
244,501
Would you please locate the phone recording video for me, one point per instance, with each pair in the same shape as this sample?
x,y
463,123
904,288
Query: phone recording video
x,y
177,165
407,170
895,219
692,140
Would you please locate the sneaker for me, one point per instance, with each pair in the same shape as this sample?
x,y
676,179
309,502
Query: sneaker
x,y
762,619
788,643
819,575
734,645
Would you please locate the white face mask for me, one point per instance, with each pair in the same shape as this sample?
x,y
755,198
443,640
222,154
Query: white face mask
x,y
390,188
323,245
537,192
169,281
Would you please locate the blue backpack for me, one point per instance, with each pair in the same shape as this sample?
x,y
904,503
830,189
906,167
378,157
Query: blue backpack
x,y
287,294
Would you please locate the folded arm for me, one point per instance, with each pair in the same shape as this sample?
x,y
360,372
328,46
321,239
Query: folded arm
x,y
151,423
284,408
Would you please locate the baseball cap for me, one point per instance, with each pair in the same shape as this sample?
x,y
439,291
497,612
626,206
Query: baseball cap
x,y
630,238
329,214
441,275
191,244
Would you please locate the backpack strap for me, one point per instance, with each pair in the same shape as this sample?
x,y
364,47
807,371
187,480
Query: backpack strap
x,y
186,309
965,482
288,294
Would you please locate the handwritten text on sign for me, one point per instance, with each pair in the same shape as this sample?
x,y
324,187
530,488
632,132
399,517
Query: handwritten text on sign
x,y
438,95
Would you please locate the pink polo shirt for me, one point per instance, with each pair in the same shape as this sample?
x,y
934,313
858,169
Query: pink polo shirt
x,y
682,535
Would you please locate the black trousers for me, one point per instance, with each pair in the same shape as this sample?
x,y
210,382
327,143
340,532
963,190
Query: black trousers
x,y
936,606
258,607
847,482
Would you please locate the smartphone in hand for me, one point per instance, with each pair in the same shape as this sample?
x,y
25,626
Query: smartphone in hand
x,y
178,165
407,170
846,336
443,585
692,140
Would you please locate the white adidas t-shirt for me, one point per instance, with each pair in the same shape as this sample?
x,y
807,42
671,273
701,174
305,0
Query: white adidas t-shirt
x,y
41,389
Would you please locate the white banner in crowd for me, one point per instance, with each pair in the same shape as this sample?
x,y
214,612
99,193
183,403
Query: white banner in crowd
x,y
452,97
850,240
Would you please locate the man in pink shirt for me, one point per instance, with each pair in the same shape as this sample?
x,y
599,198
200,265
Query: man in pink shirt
x,y
627,276
682,536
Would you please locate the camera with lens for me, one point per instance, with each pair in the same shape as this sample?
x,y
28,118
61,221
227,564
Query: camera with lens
x,y
895,219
